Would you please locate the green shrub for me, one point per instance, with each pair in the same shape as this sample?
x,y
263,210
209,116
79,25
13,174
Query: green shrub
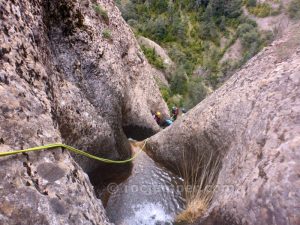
x,y
211,59
214,80
101,12
222,24
251,3
261,10
249,38
165,92
227,8
245,19
160,28
244,28
294,9
129,11
179,82
107,34
153,58
196,92
229,66
208,31
175,100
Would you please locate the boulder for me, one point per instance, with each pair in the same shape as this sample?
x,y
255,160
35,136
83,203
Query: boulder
x,y
162,53
252,123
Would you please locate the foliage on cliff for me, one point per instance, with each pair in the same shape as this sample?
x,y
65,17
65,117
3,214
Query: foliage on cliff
x,y
196,34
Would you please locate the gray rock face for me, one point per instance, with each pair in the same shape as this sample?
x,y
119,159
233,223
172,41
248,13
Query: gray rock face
x,y
72,72
253,123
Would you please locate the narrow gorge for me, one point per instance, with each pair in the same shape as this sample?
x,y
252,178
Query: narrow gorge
x,y
74,72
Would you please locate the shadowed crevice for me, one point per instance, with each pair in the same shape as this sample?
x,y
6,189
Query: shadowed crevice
x,y
138,133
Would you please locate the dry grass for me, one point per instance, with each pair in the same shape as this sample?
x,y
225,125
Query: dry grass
x,y
200,173
139,144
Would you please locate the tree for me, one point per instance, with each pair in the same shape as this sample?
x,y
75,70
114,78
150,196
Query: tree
x,y
251,3
159,6
208,14
129,11
208,28
196,92
233,8
249,38
244,28
179,82
196,4
228,8
222,24
294,9
156,29
177,28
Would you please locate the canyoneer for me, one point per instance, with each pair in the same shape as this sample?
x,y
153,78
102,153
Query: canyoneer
x,y
175,112
157,117
161,121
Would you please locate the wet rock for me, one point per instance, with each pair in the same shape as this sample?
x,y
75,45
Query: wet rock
x,y
252,123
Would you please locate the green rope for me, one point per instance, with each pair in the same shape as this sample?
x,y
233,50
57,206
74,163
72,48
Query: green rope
x,y
77,151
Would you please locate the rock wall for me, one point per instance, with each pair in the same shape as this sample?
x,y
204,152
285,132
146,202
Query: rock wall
x,y
72,72
253,124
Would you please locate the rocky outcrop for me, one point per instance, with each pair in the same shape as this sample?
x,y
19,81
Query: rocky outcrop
x,y
72,72
234,52
252,123
277,21
168,63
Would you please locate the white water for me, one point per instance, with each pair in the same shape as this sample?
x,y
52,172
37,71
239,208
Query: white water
x,y
149,214
150,196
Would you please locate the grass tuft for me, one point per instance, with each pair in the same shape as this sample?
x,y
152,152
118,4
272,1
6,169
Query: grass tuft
x,y
200,175
101,12
107,34
264,10
153,58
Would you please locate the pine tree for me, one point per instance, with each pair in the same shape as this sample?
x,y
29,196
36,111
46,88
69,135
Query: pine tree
x,y
251,3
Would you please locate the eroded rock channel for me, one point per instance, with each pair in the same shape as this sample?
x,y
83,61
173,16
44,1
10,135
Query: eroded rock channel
x,y
151,195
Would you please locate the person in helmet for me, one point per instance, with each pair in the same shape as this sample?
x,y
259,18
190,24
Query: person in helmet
x,y
167,122
162,122
157,118
175,112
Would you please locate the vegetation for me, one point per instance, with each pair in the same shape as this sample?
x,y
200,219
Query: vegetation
x,y
197,92
294,9
262,9
251,3
200,175
101,12
107,34
153,58
192,32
